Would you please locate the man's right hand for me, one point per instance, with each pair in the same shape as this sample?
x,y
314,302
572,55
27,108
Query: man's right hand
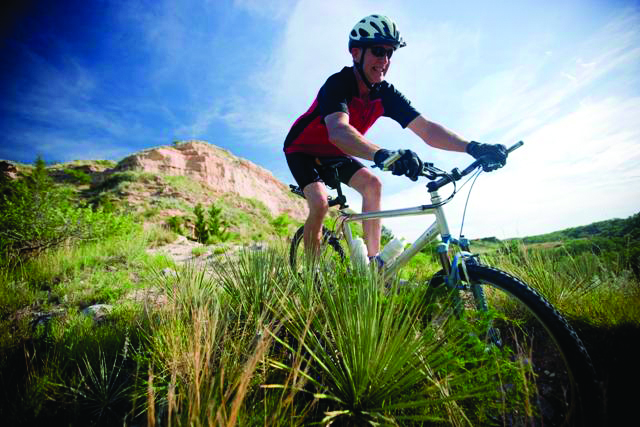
x,y
409,164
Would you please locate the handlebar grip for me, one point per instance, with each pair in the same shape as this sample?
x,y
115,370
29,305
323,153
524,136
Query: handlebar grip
x,y
390,160
515,146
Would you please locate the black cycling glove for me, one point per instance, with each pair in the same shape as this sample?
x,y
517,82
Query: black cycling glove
x,y
409,164
494,156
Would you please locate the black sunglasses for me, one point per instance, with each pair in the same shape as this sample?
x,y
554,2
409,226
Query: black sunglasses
x,y
379,51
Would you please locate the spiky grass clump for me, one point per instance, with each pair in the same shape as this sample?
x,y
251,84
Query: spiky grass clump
x,y
368,356
206,349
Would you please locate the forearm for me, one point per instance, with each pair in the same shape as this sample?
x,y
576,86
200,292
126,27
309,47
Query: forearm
x,y
437,135
348,139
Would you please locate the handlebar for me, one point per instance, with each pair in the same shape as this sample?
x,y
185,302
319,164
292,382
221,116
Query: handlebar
x,y
440,178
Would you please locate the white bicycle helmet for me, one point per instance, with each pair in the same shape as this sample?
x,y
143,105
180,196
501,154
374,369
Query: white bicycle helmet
x,y
375,29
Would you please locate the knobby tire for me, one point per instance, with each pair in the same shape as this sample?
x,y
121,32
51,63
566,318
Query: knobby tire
x,y
585,403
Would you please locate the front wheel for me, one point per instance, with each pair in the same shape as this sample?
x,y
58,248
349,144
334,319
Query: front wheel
x,y
536,334
331,251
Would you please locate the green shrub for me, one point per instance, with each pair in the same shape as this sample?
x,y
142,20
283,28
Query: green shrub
x,y
35,215
216,224
77,176
175,224
115,180
211,229
281,224
199,251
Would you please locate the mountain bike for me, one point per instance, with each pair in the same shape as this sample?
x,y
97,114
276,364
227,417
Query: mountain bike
x,y
567,388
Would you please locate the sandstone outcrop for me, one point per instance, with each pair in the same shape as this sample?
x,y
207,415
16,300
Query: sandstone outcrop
x,y
220,170
8,170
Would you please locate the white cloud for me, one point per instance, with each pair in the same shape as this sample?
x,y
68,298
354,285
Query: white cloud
x,y
537,86
61,148
313,46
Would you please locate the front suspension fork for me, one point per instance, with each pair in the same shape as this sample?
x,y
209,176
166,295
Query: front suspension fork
x,y
457,278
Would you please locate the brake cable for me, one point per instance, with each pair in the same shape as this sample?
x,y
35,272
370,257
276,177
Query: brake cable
x,y
464,212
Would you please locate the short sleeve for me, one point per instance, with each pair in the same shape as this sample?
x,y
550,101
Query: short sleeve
x,y
397,106
334,96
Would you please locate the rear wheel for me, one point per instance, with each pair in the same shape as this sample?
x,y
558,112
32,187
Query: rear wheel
x,y
331,251
535,335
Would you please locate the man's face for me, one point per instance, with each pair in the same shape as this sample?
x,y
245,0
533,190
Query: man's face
x,y
375,66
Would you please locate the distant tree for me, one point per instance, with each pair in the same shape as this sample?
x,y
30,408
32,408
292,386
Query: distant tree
x,y
201,226
39,180
218,226
214,227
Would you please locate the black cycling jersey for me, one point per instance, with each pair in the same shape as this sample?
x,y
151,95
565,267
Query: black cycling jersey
x,y
340,93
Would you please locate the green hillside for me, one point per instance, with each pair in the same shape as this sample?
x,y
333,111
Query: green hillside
x,y
628,228
617,240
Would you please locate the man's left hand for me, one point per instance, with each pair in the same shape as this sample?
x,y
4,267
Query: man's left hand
x,y
494,156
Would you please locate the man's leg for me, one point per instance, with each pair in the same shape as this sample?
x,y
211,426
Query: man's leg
x,y
370,187
316,195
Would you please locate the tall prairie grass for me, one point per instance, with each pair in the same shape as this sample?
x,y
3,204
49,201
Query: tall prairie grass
x,y
600,291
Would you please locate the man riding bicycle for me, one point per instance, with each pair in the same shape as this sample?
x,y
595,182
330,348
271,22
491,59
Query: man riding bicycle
x,y
346,106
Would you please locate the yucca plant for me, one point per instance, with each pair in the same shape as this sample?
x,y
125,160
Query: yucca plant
x,y
255,280
104,389
371,358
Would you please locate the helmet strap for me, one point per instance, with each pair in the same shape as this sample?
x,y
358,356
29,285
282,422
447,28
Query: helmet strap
x,y
360,68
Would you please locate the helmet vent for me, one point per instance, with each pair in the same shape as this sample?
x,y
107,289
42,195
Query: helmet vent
x,y
386,29
375,29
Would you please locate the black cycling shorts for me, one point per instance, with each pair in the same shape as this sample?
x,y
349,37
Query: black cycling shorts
x,y
305,169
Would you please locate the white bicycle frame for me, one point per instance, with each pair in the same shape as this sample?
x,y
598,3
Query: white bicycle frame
x,y
438,228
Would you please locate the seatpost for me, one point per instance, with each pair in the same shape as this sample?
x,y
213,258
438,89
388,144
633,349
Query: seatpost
x,y
337,181
341,200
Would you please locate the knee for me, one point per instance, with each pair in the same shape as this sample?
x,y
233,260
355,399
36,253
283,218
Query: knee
x,y
372,187
318,208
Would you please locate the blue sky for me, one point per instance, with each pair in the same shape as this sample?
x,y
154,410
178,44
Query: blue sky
x,y
103,79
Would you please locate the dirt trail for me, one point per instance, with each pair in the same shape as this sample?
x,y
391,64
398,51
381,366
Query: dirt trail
x,y
183,250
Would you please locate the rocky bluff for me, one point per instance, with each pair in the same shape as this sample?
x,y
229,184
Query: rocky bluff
x,y
220,170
